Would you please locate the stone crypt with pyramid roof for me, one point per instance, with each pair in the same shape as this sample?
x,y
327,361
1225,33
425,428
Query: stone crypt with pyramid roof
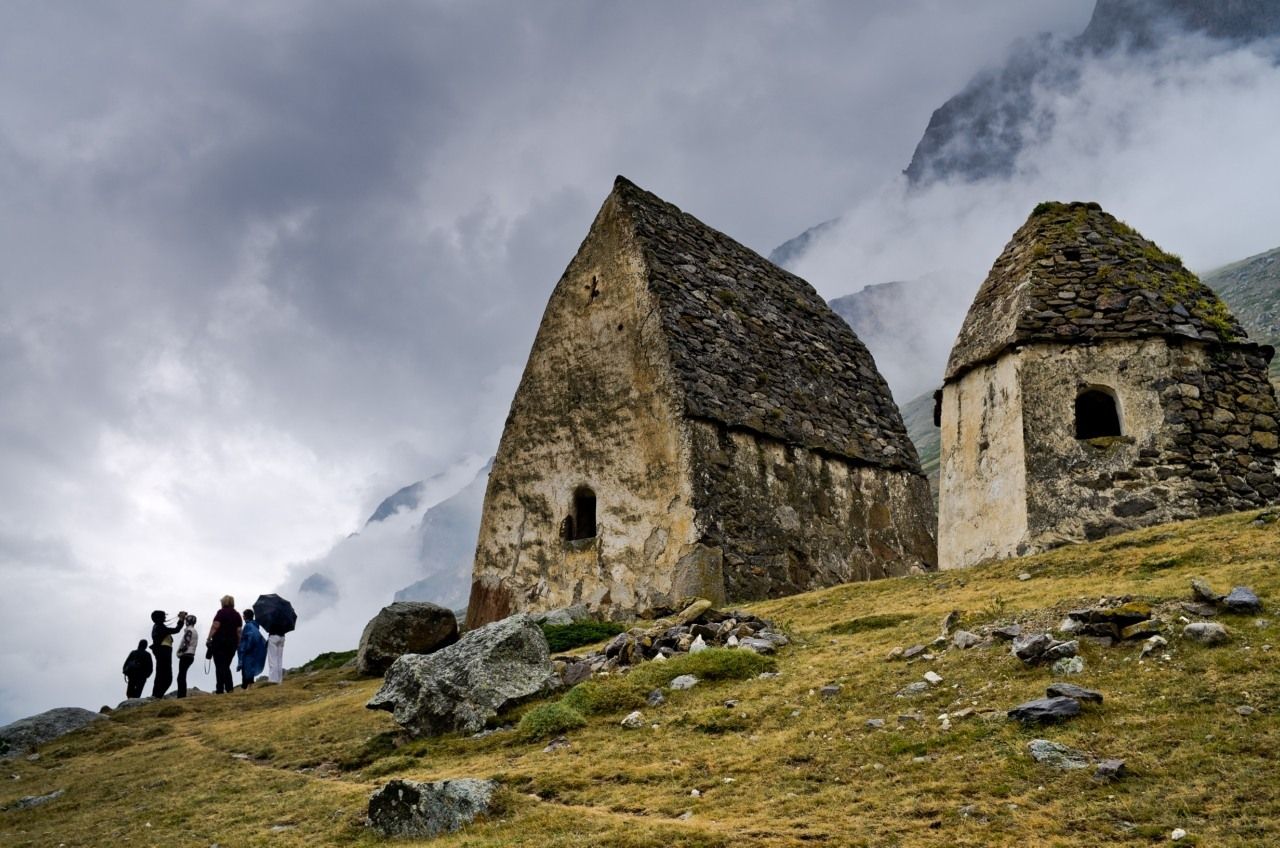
x,y
692,421
1096,386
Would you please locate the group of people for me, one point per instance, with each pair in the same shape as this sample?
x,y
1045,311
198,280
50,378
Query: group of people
x,y
232,635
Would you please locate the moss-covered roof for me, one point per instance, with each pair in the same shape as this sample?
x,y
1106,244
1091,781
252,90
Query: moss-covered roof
x,y
755,347
1074,273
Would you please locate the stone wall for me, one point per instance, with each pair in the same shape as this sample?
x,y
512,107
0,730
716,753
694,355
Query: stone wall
x,y
782,519
596,407
982,475
1199,437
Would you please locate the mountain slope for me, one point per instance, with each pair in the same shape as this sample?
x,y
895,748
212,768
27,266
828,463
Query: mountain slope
x,y
447,545
294,765
978,133
1252,289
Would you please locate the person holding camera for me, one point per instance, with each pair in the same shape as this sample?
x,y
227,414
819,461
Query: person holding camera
x,y
162,648
223,641
187,653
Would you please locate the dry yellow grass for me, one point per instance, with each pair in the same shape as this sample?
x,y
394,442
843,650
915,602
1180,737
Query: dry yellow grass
x,y
785,767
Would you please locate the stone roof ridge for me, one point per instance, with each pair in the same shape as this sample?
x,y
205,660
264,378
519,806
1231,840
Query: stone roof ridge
x,y
1074,273
756,348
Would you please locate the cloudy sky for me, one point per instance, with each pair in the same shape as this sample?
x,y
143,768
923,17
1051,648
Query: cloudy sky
x,y
266,263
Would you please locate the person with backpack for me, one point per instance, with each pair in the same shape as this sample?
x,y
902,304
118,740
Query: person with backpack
x,y
187,653
223,641
137,668
253,650
162,647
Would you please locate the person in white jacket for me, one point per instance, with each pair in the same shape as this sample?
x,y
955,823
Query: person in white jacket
x,y
187,646
275,658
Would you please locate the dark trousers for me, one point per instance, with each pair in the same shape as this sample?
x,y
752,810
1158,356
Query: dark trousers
x,y
184,663
134,689
222,657
164,669
245,680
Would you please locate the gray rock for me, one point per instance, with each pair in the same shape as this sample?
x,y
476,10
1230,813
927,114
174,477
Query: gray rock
x,y
1046,710
777,639
413,809
1203,592
564,616
874,723
656,698
684,681
405,627
634,720
1245,710
28,733
1007,633
830,691
913,689
1070,690
132,703
1206,633
1068,665
913,652
757,645
464,685
29,801
1110,770
1042,648
1242,600
964,640
1152,645
932,678
574,673
557,744
1058,756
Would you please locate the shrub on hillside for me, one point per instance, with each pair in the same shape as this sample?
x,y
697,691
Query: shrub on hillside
x,y
549,720
565,637
619,692
330,659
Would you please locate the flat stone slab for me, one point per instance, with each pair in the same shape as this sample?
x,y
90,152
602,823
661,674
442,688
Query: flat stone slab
x,y
28,733
1070,690
1046,710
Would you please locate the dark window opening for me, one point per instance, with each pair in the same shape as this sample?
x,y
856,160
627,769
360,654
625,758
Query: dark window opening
x,y
593,291
1071,254
1097,414
581,523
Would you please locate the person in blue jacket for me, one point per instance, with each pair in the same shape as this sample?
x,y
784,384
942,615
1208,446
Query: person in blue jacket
x,y
253,650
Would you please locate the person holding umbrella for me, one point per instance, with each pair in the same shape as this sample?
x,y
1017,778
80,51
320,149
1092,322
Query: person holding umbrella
x,y
276,616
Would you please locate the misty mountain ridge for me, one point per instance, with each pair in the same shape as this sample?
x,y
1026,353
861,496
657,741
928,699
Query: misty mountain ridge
x,y
979,132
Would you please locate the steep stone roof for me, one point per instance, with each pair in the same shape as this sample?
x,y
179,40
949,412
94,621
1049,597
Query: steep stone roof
x,y
755,347
1073,273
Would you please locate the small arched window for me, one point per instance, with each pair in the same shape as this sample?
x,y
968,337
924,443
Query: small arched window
x,y
1097,413
581,522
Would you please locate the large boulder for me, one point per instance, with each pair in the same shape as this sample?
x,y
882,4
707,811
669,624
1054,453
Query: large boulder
x,y
405,627
414,809
28,733
461,687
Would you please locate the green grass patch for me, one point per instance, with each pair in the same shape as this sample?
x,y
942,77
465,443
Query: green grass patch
x,y
867,623
389,765
330,659
565,637
374,748
549,720
716,721
604,695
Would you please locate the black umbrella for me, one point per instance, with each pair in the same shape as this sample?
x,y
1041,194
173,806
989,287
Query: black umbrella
x,y
274,614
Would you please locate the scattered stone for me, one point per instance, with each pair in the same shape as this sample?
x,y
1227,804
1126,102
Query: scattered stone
x,y
1177,834
656,698
964,640
1203,592
1058,756
1039,648
766,675
413,809
910,718
963,712
404,627
557,744
895,654
1024,576
874,723
1206,633
1199,609
1242,600
684,681
1245,710
1109,771
932,678
26,734
462,686
1111,621
913,689
29,801
757,645
1007,633
574,673
1070,665
913,652
829,691
1152,645
1141,630
634,720
691,613
698,645
730,704
1045,710
1070,690
564,616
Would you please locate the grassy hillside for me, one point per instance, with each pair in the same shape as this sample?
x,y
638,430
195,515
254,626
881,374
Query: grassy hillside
x,y
1251,288
918,416
294,765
